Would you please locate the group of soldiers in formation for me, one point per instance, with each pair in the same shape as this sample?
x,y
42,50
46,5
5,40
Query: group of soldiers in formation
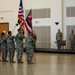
x,y
59,39
7,46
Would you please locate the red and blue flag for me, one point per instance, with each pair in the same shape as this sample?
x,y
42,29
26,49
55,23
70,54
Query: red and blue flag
x,y
29,22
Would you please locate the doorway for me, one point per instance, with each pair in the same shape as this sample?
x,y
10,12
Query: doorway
x,y
4,27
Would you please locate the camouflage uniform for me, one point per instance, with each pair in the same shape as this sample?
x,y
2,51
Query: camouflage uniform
x,y
19,45
59,37
29,48
35,38
11,47
4,48
72,41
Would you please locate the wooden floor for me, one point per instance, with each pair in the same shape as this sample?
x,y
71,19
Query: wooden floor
x,y
44,64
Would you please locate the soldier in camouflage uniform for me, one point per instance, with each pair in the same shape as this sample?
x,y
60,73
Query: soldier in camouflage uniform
x,y
3,47
19,45
11,46
35,38
59,37
29,48
72,39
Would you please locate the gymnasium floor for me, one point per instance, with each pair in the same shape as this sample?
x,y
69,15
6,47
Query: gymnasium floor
x,y
44,64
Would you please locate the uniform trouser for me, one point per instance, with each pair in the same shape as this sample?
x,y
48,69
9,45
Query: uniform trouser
x,y
11,54
72,45
29,53
4,54
19,53
59,44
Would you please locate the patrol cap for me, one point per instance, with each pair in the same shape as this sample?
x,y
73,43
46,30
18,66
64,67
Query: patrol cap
x,y
9,32
19,29
30,34
2,33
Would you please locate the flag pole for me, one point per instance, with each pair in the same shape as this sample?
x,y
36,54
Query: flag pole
x,y
13,28
24,19
32,25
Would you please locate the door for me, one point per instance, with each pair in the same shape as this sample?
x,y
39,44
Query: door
x,y
4,27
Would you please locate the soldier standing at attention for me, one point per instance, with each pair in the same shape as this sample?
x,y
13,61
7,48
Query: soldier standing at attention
x,y
3,47
72,39
29,48
59,37
35,38
11,46
19,45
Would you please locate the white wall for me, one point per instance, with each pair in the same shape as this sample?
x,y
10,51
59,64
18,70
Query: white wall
x,y
9,10
68,20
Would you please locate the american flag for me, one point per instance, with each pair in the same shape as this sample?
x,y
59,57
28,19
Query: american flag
x,y
29,22
21,20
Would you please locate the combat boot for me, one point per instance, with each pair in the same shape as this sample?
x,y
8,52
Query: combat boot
x,y
20,61
5,60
